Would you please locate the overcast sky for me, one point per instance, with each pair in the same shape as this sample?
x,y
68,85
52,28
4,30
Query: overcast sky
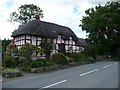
x,y
63,12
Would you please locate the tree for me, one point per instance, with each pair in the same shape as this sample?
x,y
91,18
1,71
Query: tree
x,y
5,43
11,47
27,51
46,48
25,13
9,62
103,25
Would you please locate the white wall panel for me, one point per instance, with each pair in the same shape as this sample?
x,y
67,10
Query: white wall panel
x,y
66,42
54,40
33,42
58,41
73,42
74,47
23,37
38,42
66,47
56,46
28,37
62,41
70,42
39,38
28,41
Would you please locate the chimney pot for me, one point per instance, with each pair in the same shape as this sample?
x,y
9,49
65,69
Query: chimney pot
x,y
37,17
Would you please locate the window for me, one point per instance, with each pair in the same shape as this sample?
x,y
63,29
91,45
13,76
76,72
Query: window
x,y
27,37
59,37
34,38
70,38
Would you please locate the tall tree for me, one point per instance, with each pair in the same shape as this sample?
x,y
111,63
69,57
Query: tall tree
x,y
103,25
5,43
47,47
28,50
25,13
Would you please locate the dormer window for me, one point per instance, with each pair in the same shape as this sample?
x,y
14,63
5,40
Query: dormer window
x,y
70,38
59,37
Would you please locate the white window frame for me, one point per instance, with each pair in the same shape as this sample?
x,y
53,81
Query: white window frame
x,y
59,37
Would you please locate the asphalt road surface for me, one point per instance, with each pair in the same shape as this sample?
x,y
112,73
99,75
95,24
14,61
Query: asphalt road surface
x,y
97,75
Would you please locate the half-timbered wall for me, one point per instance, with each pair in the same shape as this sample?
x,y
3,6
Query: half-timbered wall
x,y
70,45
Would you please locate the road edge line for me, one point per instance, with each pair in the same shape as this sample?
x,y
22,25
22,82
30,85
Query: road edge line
x,y
89,72
55,84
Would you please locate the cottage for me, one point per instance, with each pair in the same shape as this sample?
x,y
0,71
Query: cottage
x,y
63,38
82,43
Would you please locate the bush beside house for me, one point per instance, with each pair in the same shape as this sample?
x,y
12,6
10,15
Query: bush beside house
x,y
9,62
10,72
59,58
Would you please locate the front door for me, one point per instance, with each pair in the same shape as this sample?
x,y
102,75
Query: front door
x,y
61,48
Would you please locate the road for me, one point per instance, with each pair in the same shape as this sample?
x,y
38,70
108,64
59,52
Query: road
x,y
97,75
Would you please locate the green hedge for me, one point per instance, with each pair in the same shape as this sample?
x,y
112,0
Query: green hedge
x,y
77,57
59,58
74,55
9,62
36,64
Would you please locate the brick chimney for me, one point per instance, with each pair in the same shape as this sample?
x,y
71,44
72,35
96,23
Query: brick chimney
x,y
37,17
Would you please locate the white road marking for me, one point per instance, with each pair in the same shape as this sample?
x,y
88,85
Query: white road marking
x,y
89,72
55,84
107,66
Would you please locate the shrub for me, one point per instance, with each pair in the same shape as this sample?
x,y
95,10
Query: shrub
x,y
42,60
40,63
73,55
9,62
45,62
27,65
49,63
11,71
25,68
36,64
16,58
59,58
77,57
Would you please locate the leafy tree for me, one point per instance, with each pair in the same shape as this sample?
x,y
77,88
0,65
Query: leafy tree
x,y
11,47
46,48
9,62
5,43
103,25
26,13
27,50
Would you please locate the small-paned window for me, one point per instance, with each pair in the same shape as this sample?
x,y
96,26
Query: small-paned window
x,y
70,38
59,37
34,38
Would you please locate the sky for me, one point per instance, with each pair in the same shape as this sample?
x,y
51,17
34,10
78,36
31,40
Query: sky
x,y
63,12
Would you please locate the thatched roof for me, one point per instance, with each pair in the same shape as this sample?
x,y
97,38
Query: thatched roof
x,y
44,29
82,42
